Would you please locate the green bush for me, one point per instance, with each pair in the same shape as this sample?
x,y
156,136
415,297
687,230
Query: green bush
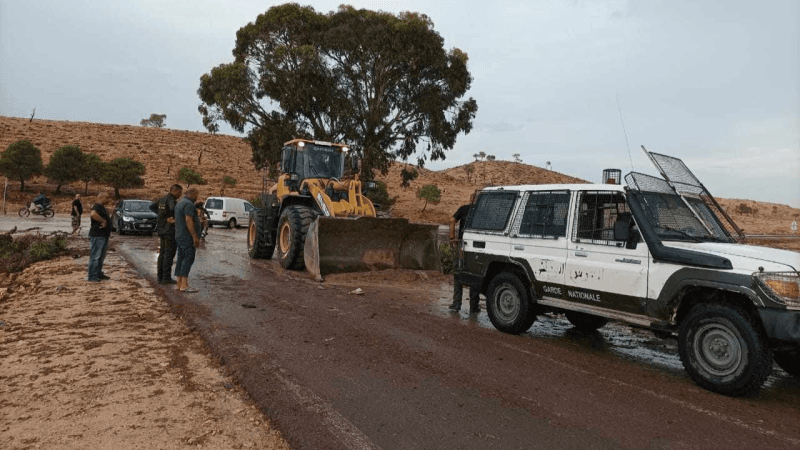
x,y
190,177
431,194
446,257
380,196
408,175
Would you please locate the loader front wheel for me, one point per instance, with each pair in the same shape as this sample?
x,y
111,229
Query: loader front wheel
x,y
260,244
292,229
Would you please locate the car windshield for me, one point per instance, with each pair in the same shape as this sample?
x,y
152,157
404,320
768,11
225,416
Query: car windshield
x,y
675,220
137,206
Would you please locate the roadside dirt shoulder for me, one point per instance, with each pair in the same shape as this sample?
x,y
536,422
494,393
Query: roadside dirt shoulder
x,y
108,365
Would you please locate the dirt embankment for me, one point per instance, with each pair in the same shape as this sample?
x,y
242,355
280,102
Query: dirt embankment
x,y
108,365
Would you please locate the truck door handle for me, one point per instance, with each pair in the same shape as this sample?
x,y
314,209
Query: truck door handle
x,y
582,254
519,247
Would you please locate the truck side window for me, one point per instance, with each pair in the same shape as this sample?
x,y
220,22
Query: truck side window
x,y
545,214
492,210
596,213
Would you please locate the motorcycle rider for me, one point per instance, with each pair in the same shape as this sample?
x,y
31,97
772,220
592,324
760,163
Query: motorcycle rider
x,y
40,202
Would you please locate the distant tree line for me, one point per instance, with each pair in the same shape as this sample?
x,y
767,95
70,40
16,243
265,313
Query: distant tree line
x,y
22,161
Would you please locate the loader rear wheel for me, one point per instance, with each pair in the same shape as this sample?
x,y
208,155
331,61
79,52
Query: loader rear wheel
x,y
259,242
292,229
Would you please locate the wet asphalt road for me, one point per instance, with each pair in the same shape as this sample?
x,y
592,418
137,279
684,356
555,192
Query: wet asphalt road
x,y
394,369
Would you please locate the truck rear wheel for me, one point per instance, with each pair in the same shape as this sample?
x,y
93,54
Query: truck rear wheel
x,y
508,306
585,322
723,349
292,229
260,244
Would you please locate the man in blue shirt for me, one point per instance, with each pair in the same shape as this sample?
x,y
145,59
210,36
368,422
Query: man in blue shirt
x,y
187,236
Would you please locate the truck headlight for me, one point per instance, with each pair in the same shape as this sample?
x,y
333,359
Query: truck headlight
x,y
127,219
785,286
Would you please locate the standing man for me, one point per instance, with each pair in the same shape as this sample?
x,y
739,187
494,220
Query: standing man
x,y
77,212
99,232
460,217
187,235
165,208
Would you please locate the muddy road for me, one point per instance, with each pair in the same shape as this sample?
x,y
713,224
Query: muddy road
x,y
394,369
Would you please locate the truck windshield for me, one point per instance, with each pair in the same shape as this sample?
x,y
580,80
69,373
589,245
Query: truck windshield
x,y
673,220
320,161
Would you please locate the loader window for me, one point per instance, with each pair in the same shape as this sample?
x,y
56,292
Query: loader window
x,y
492,210
320,161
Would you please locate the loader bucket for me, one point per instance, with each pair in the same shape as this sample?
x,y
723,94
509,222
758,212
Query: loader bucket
x,y
362,244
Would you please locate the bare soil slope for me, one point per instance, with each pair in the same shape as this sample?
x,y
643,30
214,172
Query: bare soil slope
x,y
165,151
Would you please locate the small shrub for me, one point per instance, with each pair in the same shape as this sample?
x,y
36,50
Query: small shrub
x,y
190,177
446,257
408,175
17,254
430,193
379,196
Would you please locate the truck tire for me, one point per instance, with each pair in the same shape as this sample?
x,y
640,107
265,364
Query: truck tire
x,y
724,350
788,359
292,228
260,244
508,305
585,322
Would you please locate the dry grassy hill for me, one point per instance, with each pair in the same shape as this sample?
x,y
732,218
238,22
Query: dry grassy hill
x,y
165,151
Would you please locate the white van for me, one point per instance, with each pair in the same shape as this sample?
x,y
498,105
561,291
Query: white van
x,y
228,211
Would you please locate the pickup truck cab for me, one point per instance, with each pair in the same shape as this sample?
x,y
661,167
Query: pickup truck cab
x,y
657,253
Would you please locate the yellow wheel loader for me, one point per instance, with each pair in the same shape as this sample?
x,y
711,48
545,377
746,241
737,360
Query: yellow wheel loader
x,y
325,224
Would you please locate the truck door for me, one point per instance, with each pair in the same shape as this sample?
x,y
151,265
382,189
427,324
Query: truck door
x,y
540,238
487,234
601,270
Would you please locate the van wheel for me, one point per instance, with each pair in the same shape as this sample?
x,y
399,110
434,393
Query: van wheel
x,y
724,350
788,359
232,223
508,305
292,229
259,242
585,322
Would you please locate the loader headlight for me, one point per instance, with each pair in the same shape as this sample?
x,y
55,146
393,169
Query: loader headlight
x,y
784,286
294,176
370,185
345,149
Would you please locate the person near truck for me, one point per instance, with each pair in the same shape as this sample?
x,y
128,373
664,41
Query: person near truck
x,y
187,235
165,227
77,212
460,218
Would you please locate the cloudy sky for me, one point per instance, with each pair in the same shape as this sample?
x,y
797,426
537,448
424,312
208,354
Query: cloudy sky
x,y
714,83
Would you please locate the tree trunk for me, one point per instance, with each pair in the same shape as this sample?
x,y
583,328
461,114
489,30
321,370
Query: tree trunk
x,y
116,192
86,189
21,184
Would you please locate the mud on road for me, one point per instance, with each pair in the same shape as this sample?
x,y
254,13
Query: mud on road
x,y
392,368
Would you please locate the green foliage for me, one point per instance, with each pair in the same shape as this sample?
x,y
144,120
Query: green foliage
x,y
155,121
16,254
21,161
93,169
123,173
383,82
230,181
65,166
517,159
408,175
430,193
190,177
446,257
490,157
379,196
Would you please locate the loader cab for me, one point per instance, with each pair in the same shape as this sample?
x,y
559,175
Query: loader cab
x,y
303,159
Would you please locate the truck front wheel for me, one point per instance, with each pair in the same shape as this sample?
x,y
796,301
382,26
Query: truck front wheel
x,y
259,242
292,229
508,305
724,350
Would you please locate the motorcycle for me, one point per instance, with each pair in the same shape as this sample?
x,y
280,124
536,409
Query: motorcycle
x,y
45,210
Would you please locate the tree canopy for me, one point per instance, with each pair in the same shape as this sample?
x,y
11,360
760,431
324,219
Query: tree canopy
x,y
123,173
190,177
65,166
93,169
382,83
155,121
21,160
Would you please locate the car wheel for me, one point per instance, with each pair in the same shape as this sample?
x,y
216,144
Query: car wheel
x,y
508,305
119,228
292,228
724,350
24,212
585,322
232,223
788,359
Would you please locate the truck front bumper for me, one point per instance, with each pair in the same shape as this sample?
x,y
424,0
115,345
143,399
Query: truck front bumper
x,y
781,324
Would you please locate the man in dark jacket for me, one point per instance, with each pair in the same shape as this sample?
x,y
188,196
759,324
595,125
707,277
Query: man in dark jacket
x,y
165,208
460,218
99,233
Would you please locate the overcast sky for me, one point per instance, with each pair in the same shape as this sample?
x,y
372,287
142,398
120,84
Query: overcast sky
x,y
716,83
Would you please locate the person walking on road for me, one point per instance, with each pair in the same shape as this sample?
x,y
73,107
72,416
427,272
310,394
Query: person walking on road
x,y
77,212
460,217
99,233
187,236
165,208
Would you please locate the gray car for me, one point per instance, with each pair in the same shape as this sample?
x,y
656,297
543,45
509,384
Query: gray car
x,y
133,216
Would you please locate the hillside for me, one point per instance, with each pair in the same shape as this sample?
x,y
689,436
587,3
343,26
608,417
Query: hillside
x,y
164,152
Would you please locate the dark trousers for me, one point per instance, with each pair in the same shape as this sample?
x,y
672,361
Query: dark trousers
x,y
166,255
98,247
458,288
